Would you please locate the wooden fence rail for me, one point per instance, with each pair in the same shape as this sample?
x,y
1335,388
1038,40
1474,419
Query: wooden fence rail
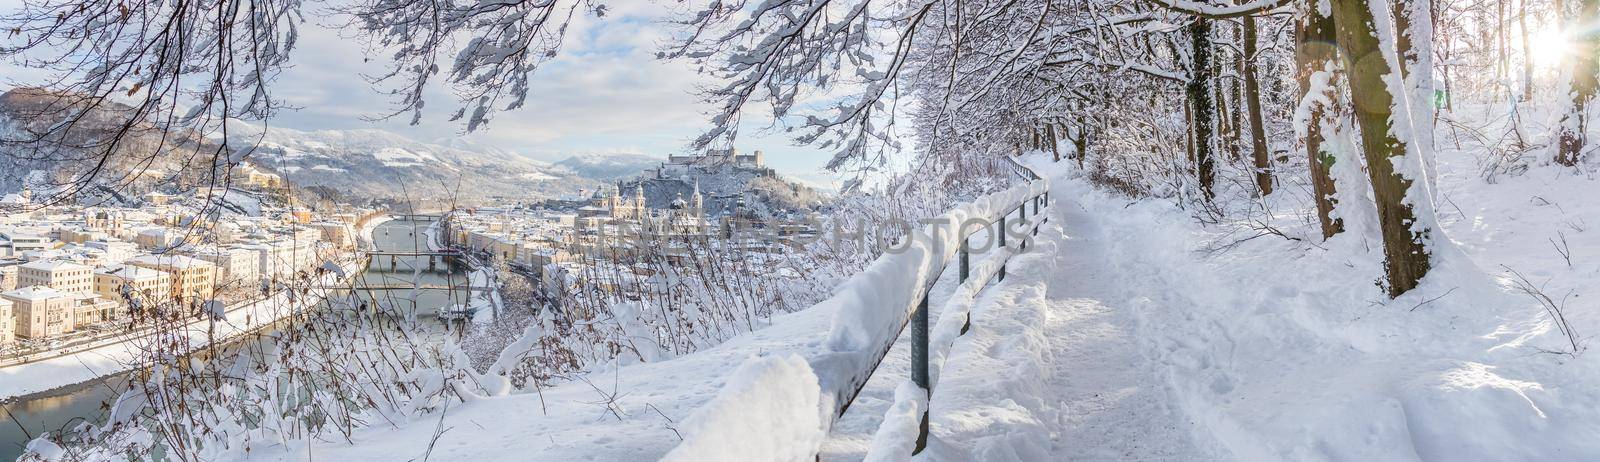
x,y
870,312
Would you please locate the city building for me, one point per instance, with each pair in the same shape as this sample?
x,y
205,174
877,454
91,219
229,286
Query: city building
x,y
79,235
192,278
157,198
40,311
61,275
680,166
236,266
8,274
116,252
145,284
283,257
158,238
340,234
104,220
15,244
89,309
8,322
249,176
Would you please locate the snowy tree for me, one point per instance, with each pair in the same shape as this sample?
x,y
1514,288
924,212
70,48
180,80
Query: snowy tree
x,y
1585,68
1405,215
1315,55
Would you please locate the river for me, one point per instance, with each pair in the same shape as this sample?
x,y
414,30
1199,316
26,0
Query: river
x,y
66,407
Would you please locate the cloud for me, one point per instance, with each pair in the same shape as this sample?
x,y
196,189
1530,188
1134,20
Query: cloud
x,y
606,92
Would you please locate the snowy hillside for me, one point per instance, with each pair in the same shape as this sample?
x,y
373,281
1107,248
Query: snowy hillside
x,y
378,163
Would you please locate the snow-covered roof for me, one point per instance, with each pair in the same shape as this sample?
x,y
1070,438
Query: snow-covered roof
x,y
173,261
34,293
53,265
129,272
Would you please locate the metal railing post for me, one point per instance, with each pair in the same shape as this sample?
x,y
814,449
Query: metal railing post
x,y
1022,219
919,366
964,270
1036,212
1002,233
964,260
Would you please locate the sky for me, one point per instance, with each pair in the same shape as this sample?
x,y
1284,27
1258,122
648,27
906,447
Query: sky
x,y
605,93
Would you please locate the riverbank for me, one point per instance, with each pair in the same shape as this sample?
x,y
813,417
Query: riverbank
x,y
83,366
119,354
486,307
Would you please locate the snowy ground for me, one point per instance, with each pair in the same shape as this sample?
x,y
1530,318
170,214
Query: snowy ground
x,y
1126,335
1134,341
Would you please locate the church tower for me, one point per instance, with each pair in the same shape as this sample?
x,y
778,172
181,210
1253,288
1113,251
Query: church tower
x,y
638,201
615,203
697,204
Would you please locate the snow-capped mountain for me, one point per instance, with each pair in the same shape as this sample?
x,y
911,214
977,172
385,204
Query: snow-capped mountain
x,y
608,167
350,164
382,164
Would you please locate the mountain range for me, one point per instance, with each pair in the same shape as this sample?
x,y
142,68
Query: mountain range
x,y
351,165
373,163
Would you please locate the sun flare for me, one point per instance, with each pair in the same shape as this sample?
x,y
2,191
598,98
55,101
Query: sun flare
x,y
1549,47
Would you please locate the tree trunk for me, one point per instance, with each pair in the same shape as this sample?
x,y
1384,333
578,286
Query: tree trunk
x,y
1252,96
1585,65
1224,131
1396,193
1200,104
1235,110
1413,26
1527,52
1315,52
1050,138
1080,143
1500,61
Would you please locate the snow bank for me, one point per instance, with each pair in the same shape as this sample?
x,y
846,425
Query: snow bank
x,y
1466,411
768,410
871,308
898,279
897,435
902,424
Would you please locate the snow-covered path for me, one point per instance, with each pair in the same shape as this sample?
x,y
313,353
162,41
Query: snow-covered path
x,y
1133,333
1052,370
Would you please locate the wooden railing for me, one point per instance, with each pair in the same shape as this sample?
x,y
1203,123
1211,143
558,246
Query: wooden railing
x,y
920,372
873,308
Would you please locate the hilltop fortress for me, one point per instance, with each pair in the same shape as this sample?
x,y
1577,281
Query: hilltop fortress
x,y
714,161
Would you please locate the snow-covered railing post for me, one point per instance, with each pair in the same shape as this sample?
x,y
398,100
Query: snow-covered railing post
x,y
919,366
1022,217
965,270
1001,231
1037,203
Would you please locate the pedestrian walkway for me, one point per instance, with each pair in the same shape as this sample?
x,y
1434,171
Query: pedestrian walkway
x,y
1052,369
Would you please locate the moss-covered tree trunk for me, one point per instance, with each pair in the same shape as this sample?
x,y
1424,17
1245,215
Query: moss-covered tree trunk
x,y
1314,54
1252,96
1201,108
1394,170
